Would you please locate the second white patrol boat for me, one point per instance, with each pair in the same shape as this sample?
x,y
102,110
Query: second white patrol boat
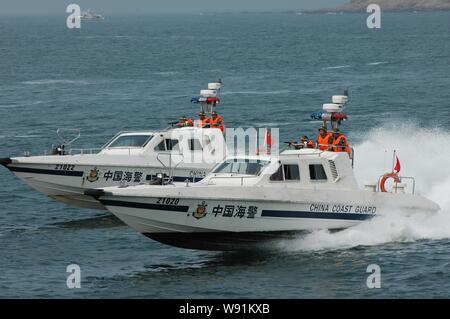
x,y
175,154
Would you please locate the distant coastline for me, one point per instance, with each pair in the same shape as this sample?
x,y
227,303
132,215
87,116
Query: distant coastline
x,y
392,5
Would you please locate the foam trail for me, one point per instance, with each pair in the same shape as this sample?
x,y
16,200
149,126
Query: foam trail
x,y
166,73
422,156
336,67
376,63
20,105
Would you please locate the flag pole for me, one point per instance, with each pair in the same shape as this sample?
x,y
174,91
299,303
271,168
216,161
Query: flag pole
x,y
393,161
257,142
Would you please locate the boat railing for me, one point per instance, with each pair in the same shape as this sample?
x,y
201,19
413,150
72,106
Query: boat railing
x,y
351,156
67,140
65,149
234,177
169,167
124,132
83,151
395,189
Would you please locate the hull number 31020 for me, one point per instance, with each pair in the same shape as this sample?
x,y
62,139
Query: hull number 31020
x,y
168,201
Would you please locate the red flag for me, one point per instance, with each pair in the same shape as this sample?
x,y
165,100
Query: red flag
x,y
268,139
267,144
397,166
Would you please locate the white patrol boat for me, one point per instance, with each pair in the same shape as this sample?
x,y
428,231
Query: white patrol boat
x,y
176,154
247,200
88,15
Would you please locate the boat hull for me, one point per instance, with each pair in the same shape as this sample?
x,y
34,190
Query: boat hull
x,y
227,218
69,186
221,241
186,226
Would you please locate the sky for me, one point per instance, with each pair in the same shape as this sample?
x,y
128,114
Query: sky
x,y
32,7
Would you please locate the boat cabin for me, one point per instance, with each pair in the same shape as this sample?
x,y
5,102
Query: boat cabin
x,y
190,143
304,168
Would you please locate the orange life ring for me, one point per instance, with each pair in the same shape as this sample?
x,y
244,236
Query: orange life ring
x,y
385,177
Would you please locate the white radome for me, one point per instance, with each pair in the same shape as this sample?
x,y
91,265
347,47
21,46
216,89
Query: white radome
x,y
332,107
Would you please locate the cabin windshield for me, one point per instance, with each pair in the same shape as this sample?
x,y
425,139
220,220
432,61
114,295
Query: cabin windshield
x,y
130,141
241,166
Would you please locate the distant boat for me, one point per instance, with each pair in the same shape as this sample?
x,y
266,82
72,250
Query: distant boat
x,y
88,15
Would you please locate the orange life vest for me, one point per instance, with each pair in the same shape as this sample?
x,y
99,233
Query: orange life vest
x,y
205,122
218,123
323,142
310,144
341,145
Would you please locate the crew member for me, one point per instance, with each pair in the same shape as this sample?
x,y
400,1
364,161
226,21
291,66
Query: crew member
x,y
323,140
339,143
204,120
183,121
217,121
307,143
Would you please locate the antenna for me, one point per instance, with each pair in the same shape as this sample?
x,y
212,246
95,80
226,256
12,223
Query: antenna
x,y
209,98
333,112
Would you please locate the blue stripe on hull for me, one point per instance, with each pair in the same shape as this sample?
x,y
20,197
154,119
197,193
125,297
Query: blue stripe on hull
x,y
265,213
79,173
319,215
173,208
45,171
183,179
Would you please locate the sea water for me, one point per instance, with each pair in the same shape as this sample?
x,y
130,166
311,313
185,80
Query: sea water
x,y
129,73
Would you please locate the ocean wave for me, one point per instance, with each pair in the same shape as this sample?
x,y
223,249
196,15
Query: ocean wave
x,y
257,92
101,221
62,81
87,37
337,67
377,63
26,136
271,124
7,106
166,73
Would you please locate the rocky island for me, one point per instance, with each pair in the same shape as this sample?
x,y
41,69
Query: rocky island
x,y
393,5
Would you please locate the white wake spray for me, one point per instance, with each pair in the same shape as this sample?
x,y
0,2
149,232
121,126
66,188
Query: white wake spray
x,y
424,154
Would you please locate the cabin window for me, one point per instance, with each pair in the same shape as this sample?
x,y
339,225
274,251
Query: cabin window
x,y
194,145
206,140
317,172
207,145
161,146
244,167
288,172
130,141
167,145
291,172
171,144
278,175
